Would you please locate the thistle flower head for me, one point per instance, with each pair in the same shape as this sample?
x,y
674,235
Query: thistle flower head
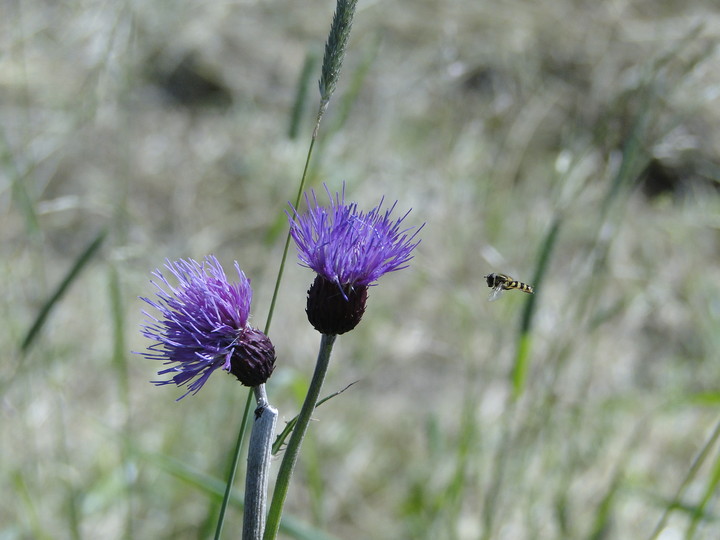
x,y
349,250
203,326
347,246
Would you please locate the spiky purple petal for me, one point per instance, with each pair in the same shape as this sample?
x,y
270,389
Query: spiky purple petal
x,y
203,322
347,246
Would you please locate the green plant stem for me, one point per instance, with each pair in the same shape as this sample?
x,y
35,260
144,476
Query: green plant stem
x,y
346,11
258,466
273,301
301,187
248,402
293,448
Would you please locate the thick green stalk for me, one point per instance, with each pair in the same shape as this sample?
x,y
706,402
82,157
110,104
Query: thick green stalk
x,y
258,466
293,448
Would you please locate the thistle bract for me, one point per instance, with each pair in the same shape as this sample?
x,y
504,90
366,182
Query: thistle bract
x,y
349,250
335,311
203,326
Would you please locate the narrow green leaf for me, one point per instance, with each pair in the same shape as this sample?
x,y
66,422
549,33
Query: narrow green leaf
x,y
71,276
710,490
117,315
704,398
676,502
22,493
280,440
603,516
522,357
522,361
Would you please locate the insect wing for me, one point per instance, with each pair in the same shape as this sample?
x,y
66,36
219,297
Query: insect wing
x,y
496,292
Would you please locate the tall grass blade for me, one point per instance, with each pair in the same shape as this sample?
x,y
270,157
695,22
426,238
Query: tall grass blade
x,y
451,504
71,276
522,357
22,493
73,492
604,513
689,477
710,490
120,364
117,316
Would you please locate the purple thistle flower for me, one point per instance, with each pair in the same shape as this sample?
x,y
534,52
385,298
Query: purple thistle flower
x,y
349,250
204,326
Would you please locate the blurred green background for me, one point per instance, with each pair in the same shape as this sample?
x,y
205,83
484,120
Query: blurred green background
x,y
587,133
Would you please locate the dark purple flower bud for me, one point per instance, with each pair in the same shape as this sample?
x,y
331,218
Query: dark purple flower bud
x,y
349,250
335,311
203,326
253,363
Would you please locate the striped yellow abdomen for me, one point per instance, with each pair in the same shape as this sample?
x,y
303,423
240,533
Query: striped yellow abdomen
x,y
519,285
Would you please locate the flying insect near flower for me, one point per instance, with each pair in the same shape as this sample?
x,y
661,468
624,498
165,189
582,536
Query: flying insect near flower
x,y
502,282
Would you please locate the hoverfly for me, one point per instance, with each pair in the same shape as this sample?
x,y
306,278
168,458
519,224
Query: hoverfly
x,y
501,282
